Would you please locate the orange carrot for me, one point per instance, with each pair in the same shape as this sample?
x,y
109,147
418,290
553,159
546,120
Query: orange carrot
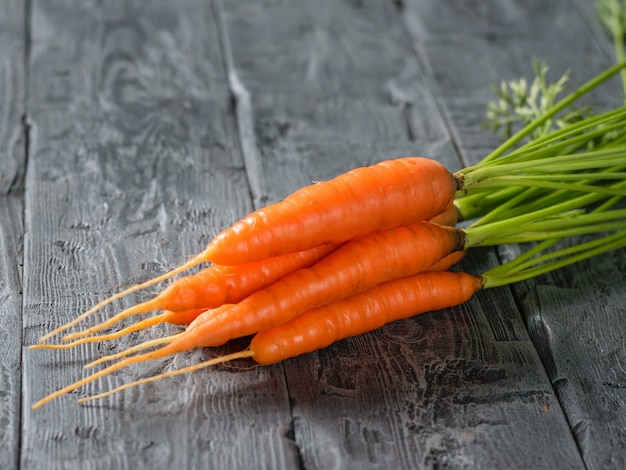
x,y
215,286
394,300
185,318
447,262
449,217
218,285
381,196
354,267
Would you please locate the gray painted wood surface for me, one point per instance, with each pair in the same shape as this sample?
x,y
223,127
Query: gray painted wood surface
x,y
12,165
153,125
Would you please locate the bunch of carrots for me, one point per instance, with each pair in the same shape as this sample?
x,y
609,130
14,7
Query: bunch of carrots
x,y
376,244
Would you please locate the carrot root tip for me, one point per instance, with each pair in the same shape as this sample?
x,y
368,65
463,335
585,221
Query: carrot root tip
x,y
211,362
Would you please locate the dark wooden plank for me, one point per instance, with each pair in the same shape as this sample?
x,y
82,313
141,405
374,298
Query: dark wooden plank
x,y
575,317
460,388
135,164
12,162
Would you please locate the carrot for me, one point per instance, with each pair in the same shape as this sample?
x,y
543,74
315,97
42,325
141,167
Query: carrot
x,y
214,286
449,217
397,299
385,195
394,300
185,318
381,196
354,267
219,284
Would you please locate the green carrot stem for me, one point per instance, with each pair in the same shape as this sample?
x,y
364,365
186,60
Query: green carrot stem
x,y
493,278
564,134
600,175
528,236
534,182
479,234
538,199
571,141
526,260
554,255
513,265
580,161
489,206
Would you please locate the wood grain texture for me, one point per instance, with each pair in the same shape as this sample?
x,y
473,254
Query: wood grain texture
x,y
10,328
566,313
156,124
494,41
135,164
461,388
12,164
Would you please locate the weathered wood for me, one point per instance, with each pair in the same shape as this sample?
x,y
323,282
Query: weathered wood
x,y
135,164
567,313
467,46
463,387
12,163
156,124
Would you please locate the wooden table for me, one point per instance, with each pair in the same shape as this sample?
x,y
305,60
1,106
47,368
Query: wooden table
x,y
132,132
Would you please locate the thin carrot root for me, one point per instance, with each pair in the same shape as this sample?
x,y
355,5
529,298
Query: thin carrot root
x,y
184,370
196,260
165,351
131,350
134,310
216,285
146,323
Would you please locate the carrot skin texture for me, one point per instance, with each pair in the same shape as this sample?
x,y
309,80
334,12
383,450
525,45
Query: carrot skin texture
x,y
220,284
395,300
181,318
186,317
363,200
354,267
217,285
